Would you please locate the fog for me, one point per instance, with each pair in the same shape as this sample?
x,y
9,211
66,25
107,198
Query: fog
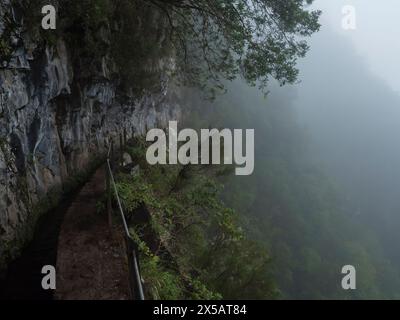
x,y
326,187
349,102
377,27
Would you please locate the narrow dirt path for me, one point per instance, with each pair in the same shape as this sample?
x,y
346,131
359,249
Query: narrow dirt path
x,y
91,261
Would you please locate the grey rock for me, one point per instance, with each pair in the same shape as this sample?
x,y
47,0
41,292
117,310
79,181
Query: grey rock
x,y
127,159
51,126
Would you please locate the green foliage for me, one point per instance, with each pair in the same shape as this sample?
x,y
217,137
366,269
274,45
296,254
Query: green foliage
x,y
160,283
140,45
257,38
134,192
201,292
164,283
210,40
202,235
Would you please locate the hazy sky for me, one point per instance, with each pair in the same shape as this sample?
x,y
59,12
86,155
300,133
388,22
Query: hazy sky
x,y
349,101
377,35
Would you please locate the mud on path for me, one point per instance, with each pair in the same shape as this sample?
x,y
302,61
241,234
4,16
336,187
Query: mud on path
x,y
91,261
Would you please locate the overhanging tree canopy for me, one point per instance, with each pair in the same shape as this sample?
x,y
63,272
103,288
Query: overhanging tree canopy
x,y
212,39
258,39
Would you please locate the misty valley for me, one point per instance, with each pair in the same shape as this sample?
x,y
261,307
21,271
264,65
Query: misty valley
x,y
183,150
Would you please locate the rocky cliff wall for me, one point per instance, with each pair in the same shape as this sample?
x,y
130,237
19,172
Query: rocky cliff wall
x,y
52,123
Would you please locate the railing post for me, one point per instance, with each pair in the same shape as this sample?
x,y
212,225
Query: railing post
x,y
121,153
108,186
112,155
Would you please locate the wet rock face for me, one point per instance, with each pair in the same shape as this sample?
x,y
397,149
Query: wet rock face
x,y
52,124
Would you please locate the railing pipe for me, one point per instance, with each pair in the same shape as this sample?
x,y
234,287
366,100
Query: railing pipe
x,y
138,288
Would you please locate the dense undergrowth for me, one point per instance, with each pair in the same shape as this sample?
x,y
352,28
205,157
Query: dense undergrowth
x,y
201,251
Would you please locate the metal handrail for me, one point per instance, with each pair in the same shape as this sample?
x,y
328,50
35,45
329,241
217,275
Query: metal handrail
x,y
131,244
118,200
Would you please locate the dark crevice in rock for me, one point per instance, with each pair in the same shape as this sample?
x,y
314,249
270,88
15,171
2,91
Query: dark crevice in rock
x,y
17,150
